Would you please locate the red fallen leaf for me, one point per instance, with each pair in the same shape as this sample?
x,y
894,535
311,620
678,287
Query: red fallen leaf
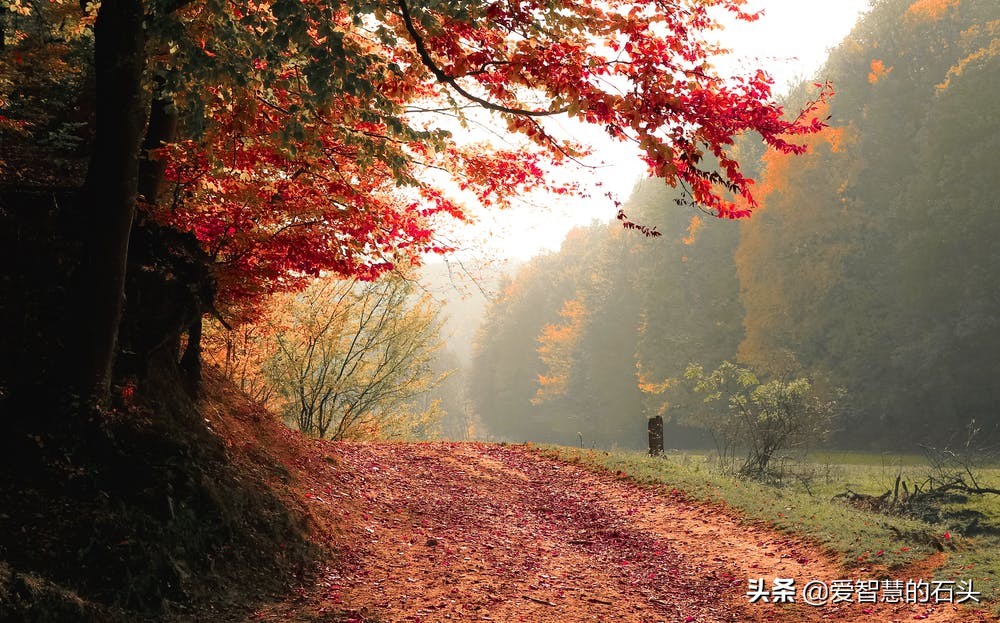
x,y
947,535
879,553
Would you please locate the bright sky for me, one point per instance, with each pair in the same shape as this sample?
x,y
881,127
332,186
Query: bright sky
x,y
790,42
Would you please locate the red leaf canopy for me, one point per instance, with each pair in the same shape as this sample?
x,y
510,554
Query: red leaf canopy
x,y
318,144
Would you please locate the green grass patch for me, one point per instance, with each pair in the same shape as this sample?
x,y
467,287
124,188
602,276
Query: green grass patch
x,y
880,459
801,504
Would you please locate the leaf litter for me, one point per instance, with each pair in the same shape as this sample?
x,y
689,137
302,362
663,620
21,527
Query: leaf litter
x,y
432,532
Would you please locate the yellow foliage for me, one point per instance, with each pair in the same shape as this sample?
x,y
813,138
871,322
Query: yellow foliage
x,y
352,360
240,354
408,422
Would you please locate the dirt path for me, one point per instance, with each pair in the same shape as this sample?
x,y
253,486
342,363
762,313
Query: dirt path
x,y
472,532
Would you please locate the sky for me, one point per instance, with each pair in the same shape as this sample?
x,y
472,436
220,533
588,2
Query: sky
x,y
790,42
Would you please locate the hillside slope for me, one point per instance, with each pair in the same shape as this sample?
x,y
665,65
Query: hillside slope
x,y
199,513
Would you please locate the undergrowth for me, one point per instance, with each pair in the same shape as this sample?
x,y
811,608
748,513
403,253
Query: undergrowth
x,y
169,520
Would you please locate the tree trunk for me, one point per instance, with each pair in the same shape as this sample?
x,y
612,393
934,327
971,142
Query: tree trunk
x,y
191,360
110,190
655,430
161,129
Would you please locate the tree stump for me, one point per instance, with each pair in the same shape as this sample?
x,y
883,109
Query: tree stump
x,y
655,435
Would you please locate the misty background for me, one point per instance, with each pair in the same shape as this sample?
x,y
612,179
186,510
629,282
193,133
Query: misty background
x,y
871,266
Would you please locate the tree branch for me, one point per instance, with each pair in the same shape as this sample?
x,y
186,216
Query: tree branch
x,y
444,78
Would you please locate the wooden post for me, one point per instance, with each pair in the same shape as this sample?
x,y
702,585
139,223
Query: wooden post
x,y
656,435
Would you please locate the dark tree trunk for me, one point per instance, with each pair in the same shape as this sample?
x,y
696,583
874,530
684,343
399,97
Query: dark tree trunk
x,y
191,361
162,129
110,191
655,429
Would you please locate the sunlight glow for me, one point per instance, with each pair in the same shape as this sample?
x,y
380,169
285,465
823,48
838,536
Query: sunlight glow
x,y
790,42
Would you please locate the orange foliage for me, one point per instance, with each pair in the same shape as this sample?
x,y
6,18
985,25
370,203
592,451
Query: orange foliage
x,y
651,387
804,197
929,9
777,165
980,56
879,71
692,230
556,345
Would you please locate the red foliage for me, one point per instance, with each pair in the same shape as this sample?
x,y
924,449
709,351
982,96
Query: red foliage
x,y
287,181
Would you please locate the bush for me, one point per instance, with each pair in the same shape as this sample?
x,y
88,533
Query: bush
x,y
760,418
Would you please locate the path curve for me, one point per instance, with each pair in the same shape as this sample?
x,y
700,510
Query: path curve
x,y
438,532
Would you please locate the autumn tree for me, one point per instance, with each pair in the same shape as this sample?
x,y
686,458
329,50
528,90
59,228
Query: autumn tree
x,y
221,152
867,264
240,353
351,355
235,149
557,344
616,319
603,397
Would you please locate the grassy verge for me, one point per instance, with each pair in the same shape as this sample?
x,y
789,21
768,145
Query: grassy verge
x,y
969,530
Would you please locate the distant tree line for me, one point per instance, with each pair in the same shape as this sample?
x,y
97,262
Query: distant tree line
x,y
871,265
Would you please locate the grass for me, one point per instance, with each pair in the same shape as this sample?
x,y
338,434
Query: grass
x,y
801,504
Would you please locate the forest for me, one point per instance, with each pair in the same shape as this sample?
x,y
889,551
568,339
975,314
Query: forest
x,y
870,268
